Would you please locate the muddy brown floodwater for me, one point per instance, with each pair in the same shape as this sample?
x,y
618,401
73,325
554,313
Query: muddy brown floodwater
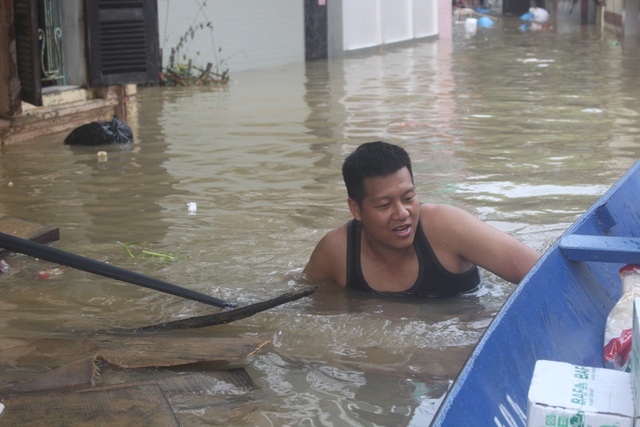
x,y
524,130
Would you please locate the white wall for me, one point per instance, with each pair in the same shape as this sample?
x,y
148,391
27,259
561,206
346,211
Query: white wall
x,y
361,23
367,23
425,18
397,22
250,34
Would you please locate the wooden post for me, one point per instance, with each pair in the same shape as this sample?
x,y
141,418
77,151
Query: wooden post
x,y
10,101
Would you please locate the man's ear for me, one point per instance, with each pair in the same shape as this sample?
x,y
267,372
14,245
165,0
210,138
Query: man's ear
x,y
354,207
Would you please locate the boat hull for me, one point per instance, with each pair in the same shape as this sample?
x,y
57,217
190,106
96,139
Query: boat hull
x,y
558,312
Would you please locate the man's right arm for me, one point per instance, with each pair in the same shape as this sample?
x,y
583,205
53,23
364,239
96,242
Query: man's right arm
x,y
329,258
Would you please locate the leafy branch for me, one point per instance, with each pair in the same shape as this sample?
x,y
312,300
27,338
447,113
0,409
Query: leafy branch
x,y
128,248
181,69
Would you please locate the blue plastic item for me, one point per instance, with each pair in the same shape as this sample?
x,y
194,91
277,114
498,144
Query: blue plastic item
x,y
482,10
524,27
527,16
485,22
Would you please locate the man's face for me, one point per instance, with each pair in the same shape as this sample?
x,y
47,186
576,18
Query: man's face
x,y
390,210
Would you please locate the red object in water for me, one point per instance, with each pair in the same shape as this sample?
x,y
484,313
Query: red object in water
x,y
48,274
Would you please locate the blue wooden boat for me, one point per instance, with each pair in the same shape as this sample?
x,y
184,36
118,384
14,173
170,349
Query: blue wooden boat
x,y
558,312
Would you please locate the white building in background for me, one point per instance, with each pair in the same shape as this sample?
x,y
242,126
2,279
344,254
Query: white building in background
x,y
249,34
357,24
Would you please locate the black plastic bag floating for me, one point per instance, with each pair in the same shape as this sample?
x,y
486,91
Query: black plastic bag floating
x,y
99,133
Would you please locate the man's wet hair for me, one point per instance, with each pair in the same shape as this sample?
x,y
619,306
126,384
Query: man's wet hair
x,y
370,160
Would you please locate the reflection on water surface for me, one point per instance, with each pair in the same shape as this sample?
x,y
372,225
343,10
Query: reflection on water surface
x,y
525,130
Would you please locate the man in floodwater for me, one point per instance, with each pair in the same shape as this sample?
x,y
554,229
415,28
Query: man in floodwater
x,y
397,245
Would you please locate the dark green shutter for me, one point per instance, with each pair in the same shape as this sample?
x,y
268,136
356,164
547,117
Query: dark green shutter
x,y
27,50
123,41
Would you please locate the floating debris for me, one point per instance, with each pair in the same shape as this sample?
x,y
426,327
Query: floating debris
x,y
163,255
52,272
102,156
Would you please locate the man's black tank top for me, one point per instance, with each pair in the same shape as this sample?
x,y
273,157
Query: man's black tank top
x,y
433,279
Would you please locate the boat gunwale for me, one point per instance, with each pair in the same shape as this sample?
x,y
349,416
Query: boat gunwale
x,y
465,373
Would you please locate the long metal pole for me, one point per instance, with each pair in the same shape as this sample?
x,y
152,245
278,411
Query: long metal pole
x,y
47,253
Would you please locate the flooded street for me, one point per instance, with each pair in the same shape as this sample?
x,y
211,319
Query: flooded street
x,y
524,130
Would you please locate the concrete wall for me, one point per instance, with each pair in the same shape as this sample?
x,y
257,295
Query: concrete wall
x,y
246,34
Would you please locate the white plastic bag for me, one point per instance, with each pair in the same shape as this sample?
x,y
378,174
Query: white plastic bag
x,y
617,334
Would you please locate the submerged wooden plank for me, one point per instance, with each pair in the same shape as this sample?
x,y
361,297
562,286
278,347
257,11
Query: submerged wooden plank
x,y
231,315
83,372
27,230
222,389
230,382
140,405
79,372
128,351
153,351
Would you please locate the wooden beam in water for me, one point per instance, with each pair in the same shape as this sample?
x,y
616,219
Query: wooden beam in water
x,y
83,372
231,315
136,351
27,230
133,350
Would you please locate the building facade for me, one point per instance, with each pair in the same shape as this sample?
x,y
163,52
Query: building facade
x,y
67,63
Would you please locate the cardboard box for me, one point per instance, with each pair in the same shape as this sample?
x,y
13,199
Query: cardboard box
x,y
566,395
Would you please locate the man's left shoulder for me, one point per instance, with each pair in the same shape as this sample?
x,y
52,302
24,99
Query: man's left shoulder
x,y
441,218
434,212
